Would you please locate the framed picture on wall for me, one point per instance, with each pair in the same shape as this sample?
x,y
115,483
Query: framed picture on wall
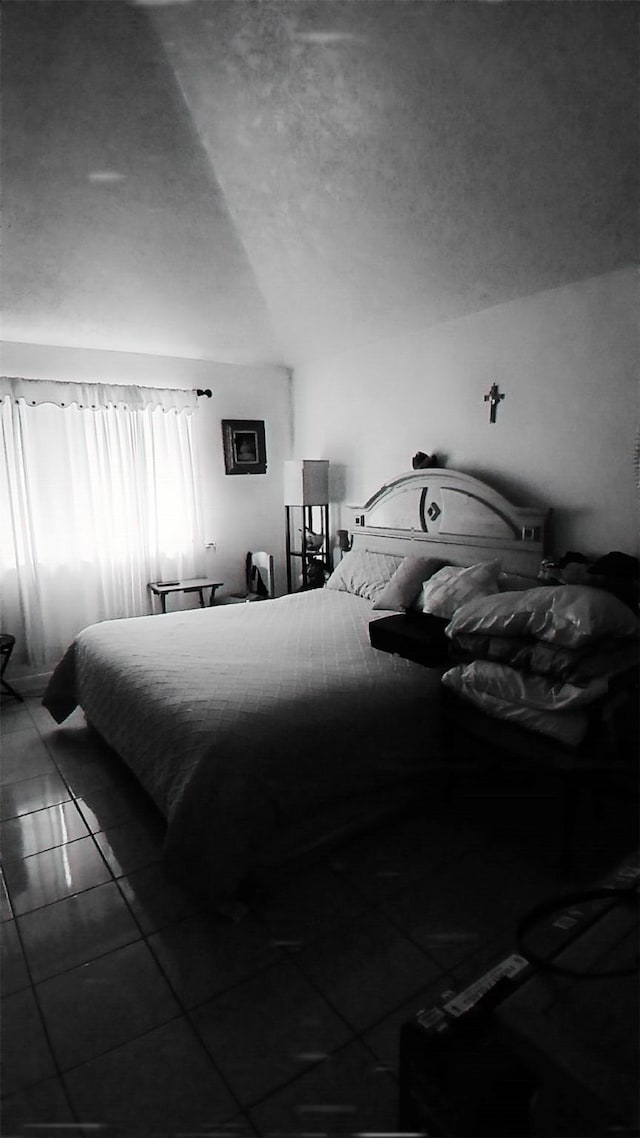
x,y
245,450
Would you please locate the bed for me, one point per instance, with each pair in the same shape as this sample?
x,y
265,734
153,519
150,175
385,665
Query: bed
x,y
261,731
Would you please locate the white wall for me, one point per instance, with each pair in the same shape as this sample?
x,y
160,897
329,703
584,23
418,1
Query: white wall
x,y
241,512
567,361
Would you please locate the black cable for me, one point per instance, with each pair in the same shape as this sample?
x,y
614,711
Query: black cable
x,y
546,908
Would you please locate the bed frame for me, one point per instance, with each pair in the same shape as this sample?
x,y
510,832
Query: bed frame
x,y
452,516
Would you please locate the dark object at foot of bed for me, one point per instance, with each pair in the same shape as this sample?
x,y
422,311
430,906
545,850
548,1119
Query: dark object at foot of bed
x,y
515,1053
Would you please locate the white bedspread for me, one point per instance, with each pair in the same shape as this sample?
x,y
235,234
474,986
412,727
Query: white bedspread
x,y
241,719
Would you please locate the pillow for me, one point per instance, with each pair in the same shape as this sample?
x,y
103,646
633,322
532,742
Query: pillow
x,y
608,658
364,573
514,582
451,587
568,727
544,693
569,615
403,588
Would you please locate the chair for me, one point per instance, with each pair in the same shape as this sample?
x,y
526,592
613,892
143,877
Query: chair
x,y
259,576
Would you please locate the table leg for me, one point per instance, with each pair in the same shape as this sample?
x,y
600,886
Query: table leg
x,y
201,598
213,595
6,687
163,601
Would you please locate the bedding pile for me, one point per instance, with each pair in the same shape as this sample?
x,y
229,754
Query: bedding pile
x,y
542,658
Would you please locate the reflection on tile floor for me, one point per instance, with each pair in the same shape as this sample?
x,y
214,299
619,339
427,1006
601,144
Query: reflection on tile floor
x,y
131,1010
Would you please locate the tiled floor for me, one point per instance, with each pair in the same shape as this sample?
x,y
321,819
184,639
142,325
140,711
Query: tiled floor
x,y
128,1010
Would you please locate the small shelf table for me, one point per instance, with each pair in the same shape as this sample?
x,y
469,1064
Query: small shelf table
x,y
309,565
190,585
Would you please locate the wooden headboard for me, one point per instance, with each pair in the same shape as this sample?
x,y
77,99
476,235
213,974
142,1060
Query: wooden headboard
x,y
454,516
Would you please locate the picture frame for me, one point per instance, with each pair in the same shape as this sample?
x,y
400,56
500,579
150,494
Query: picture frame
x,y
244,444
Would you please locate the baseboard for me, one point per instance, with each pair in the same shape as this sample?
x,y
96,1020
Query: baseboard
x,y
30,686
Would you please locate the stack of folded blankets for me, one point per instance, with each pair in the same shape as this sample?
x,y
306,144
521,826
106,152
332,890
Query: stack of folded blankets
x,y
542,658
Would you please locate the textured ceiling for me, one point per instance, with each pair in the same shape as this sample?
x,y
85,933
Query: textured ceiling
x,y
279,180
116,232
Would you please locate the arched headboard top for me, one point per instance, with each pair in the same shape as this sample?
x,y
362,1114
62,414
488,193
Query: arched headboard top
x,y
457,516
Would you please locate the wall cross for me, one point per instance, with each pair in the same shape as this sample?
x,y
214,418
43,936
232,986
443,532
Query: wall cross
x,y
493,398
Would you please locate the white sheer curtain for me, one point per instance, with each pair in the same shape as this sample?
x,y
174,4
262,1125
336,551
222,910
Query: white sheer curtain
x,y
98,496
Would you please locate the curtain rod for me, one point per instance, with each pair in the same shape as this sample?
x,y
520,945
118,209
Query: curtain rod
x,y
204,391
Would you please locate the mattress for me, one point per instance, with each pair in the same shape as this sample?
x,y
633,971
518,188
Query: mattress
x,y
243,721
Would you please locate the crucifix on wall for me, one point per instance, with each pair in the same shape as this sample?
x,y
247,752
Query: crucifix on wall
x,y
493,399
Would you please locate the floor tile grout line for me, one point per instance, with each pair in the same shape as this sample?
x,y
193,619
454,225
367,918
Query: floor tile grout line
x,y
189,1010
3,880
48,849
399,928
183,1011
411,937
66,897
301,1075
310,979
241,1106
51,806
312,1066
116,1046
359,1031
354,1034
23,857
61,1070
26,813
100,956
223,991
173,1019
32,989
78,892
89,832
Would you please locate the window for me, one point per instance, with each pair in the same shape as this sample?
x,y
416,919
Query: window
x,y
98,496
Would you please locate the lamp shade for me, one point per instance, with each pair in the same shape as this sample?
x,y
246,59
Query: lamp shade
x,y
306,482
